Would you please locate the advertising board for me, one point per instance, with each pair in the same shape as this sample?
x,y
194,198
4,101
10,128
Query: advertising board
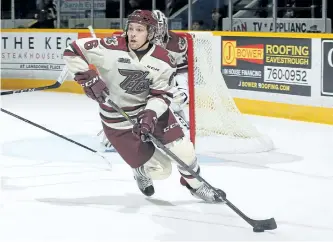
x,y
81,5
274,74
298,25
327,67
273,65
33,55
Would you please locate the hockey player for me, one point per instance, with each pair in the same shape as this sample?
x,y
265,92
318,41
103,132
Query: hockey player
x,y
139,77
177,47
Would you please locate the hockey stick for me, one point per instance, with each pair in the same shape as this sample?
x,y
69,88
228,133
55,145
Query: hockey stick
x,y
55,133
57,84
92,32
258,225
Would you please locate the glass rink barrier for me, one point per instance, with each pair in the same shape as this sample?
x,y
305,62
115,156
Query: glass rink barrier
x,y
305,16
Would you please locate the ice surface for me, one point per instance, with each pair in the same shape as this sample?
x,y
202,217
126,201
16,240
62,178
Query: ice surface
x,y
53,190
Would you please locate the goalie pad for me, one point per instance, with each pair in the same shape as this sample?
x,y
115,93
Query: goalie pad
x,y
183,123
180,100
182,120
181,95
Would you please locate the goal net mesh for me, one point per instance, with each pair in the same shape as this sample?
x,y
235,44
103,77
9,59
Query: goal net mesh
x,y
219,125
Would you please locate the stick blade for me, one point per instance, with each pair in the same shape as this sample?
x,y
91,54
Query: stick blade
x,y
267,224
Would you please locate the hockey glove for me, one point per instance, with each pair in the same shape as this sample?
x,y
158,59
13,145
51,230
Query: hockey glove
x,y
146,122
92,84
180,100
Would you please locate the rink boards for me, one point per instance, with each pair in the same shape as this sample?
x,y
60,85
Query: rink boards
x,y
285,75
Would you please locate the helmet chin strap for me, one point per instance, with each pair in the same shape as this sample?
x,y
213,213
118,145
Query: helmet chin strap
x,y
142,45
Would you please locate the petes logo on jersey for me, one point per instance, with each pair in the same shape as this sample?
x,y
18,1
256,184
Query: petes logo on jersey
x,y
111,41
136,82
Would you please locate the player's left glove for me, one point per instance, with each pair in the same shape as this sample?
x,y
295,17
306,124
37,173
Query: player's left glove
x,y
146,122
180,100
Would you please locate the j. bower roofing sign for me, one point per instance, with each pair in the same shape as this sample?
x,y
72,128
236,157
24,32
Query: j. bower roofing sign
x,y
268,64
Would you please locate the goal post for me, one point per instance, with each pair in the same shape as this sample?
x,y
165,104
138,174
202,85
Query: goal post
x,y
216,124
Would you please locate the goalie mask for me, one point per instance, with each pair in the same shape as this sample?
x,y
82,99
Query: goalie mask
x,y
144,17
162,36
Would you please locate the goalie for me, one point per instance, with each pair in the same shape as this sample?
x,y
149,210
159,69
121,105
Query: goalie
x,y
177,47
139,77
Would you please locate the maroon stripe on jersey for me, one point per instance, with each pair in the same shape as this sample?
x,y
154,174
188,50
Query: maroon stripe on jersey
x,y
164,55
126,109
69,53
78,51
115,120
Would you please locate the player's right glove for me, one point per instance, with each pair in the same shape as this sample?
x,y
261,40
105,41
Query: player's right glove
x,y
146,122
93,86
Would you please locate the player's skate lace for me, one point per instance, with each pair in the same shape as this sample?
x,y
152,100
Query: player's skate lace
x,y
144,181
207,194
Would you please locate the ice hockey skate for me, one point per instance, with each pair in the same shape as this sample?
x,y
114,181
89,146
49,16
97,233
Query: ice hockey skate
x,y
205,193
144,181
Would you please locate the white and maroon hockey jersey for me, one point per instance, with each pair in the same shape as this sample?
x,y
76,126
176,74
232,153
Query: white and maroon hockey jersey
x,y
133,84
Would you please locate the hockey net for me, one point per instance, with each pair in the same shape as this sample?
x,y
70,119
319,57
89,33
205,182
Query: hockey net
x,y
216,124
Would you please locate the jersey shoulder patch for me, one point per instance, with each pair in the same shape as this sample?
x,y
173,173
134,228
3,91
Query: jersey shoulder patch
x,y
115,43
164,55
176,43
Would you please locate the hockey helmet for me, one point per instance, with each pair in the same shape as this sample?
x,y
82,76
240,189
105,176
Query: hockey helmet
x,y
144,17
